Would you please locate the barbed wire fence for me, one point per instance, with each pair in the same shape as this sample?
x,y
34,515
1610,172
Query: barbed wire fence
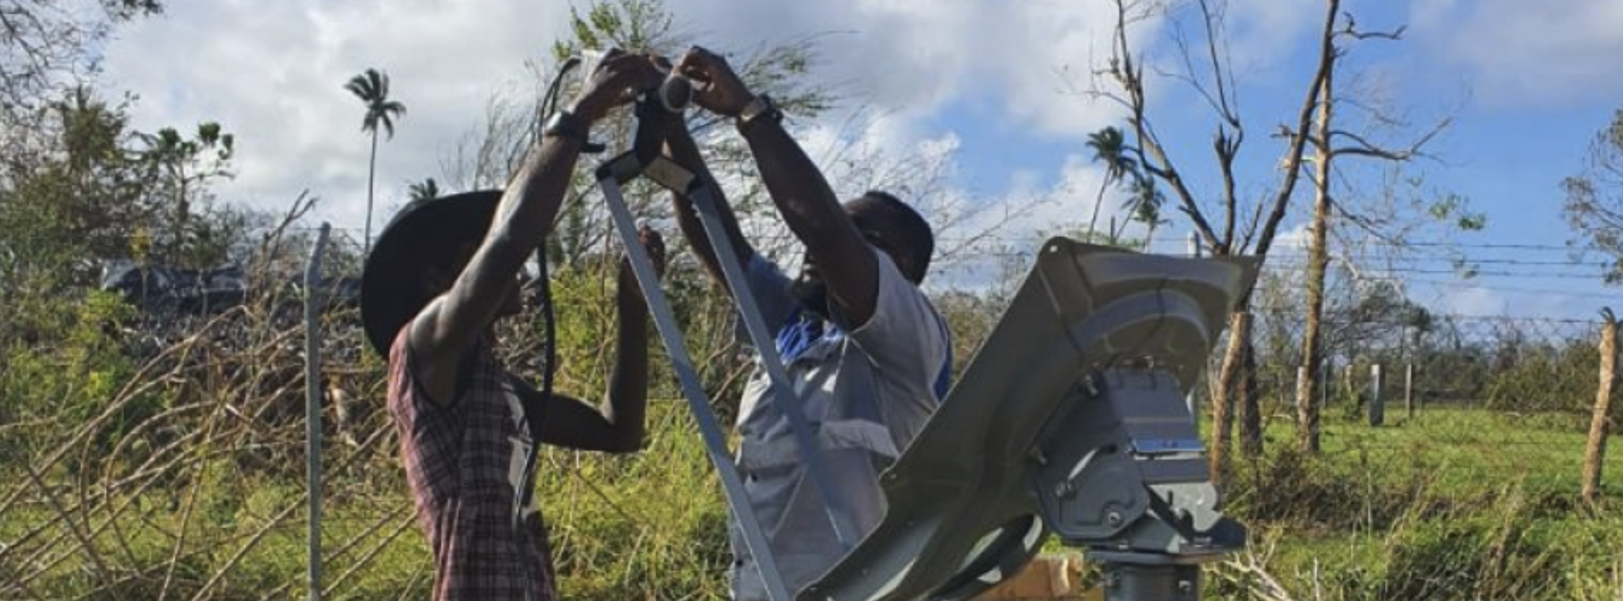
x,y
1508,364
217,400
1469,398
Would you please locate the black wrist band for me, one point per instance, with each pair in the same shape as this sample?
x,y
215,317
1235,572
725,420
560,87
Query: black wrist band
x,y
567,125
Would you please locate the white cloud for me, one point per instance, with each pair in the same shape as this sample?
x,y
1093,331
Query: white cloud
x,y
1473,300
1008,227
273,74
1294,240
1260,29
913,56
1526,53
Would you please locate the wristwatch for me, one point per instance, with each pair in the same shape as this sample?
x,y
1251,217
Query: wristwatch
x,y
567,125
760,108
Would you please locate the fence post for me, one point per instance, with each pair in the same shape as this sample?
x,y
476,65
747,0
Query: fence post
x,y
1349,382
1408,389
312,402
1377,411
1599,422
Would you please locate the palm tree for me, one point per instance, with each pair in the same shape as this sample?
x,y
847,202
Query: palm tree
x,y
1109,147
424,190
372,87
1144,202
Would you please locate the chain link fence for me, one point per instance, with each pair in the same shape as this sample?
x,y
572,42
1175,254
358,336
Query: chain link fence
x,y
1455,405
1513,365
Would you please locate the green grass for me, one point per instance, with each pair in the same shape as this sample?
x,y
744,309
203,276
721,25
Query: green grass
x,y
1452,504
1469,450
647,526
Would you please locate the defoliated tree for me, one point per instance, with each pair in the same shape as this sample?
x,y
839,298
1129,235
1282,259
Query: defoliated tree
x,y
1594,200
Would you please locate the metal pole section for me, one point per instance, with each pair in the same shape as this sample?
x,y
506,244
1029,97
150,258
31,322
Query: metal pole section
x,y
312,402
1189,397
1377,405
1408,389
788,402
1163,582
699,402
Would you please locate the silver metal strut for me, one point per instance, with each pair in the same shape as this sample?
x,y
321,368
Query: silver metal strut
x,y
643,160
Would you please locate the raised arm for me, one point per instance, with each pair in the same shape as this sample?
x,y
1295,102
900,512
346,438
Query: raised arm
x,y
448,327
680,147
808,205
617,424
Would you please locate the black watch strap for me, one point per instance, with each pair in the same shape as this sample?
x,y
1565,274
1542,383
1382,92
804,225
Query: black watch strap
x,y
567,125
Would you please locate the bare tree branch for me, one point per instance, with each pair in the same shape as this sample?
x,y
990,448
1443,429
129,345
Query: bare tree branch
x,y
1293,157
1363,147
1351,31
1131,79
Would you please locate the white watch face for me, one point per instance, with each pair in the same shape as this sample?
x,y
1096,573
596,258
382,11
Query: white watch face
x,y
757,106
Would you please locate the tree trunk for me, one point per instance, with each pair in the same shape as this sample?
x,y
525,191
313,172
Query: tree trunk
x,y
1307,412
1249,399
371,173
1600,421
1228,375
177,250
1093,221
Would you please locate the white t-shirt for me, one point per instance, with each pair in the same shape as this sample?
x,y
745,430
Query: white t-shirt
x,y
866,392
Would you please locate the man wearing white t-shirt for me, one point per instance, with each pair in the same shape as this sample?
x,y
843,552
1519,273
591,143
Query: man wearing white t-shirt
x,y
866,352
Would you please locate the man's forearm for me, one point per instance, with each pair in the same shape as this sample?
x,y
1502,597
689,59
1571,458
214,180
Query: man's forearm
x,y
797,186
627,402
532,201
522,220
812,212
685,152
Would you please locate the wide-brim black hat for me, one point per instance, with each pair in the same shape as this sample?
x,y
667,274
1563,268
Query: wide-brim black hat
x,y
426,234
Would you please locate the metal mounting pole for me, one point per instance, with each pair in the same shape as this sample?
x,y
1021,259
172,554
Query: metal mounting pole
x,y
1142,582
789,403
644,159
698,401
312,402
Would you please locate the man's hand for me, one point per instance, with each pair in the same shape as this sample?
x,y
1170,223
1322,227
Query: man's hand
x,y
619,79
655,245
723,92
661,122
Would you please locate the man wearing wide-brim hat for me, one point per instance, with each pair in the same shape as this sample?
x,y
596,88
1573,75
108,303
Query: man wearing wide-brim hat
x,y
438,278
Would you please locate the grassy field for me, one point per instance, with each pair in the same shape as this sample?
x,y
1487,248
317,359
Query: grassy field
x,y
1454,504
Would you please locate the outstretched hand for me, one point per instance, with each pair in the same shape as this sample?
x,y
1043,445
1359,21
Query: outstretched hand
x,y
619,79
721,92
655,245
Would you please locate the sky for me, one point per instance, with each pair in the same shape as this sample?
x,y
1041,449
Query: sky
x,y
990,89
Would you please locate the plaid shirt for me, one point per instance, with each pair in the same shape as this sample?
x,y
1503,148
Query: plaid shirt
x,y
466,463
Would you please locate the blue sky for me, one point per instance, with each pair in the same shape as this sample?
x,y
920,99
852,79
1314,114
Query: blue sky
x,y
1512,140
983,87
